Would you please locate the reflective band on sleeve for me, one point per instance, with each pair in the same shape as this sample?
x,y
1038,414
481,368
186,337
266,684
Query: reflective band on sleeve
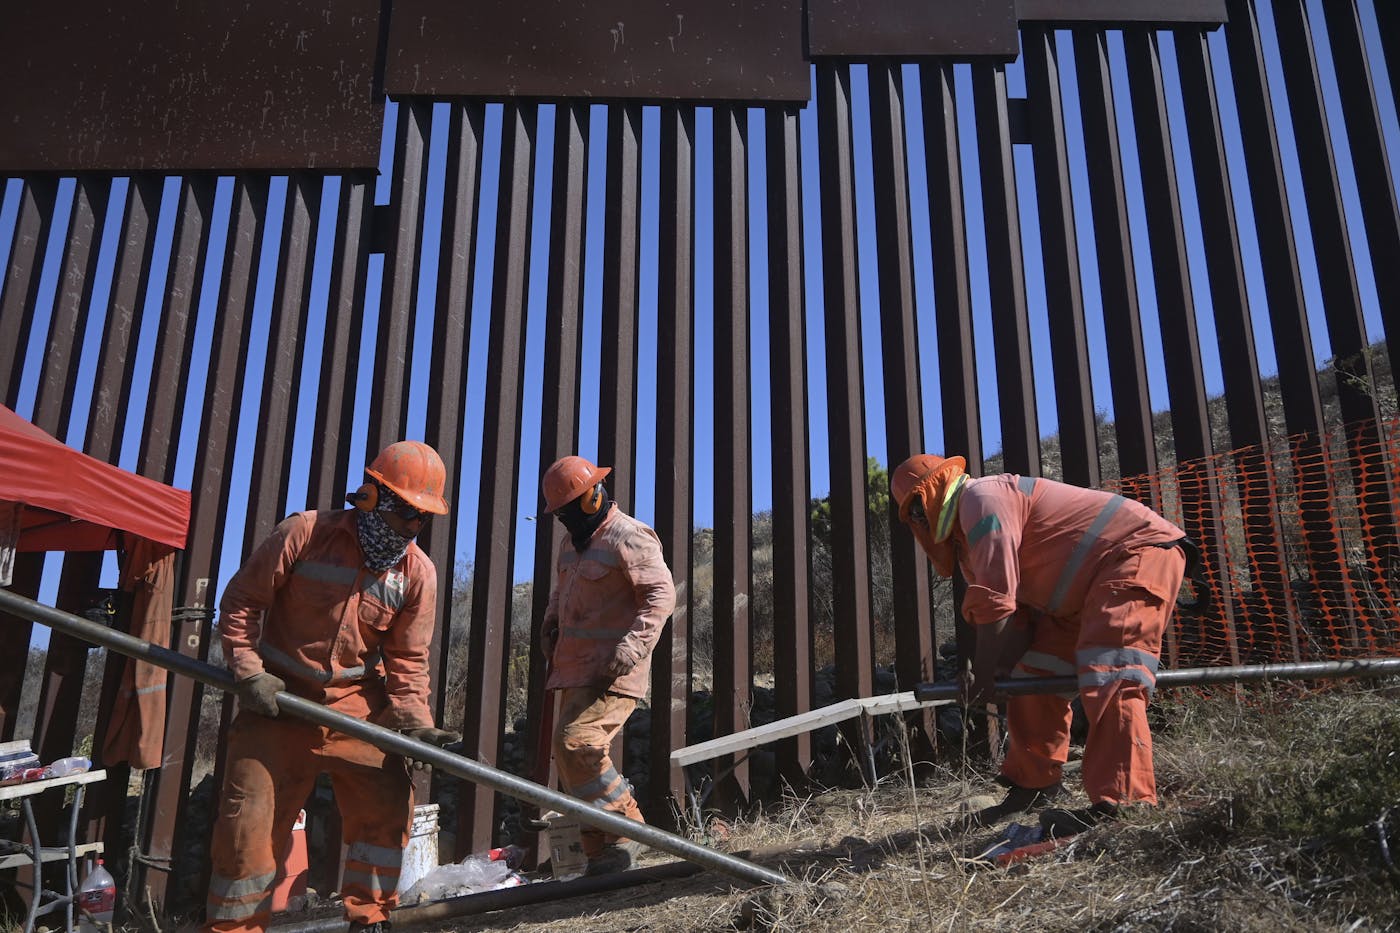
x,y
1081,553
594,634
1099,678
1043,662
983,528
153,688
325,573
1116,657
1026,484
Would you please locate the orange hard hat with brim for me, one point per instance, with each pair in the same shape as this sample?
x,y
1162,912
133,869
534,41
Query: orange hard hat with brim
x,y
567,479
906,478
415,473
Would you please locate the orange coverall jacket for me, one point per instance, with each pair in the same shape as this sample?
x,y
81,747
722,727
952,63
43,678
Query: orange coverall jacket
x,y
306,608
1038,543
617,591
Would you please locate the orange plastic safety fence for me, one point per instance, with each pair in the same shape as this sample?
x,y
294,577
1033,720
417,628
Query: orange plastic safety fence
x,y
1300,560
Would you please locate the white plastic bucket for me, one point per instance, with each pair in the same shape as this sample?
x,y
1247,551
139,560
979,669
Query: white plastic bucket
x,y
420,856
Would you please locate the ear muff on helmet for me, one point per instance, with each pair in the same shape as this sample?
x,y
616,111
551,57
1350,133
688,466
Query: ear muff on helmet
x,y
366,498
592,500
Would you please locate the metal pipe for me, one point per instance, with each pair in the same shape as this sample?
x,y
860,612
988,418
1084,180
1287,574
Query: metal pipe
x,y
1190,677
393,742
505,899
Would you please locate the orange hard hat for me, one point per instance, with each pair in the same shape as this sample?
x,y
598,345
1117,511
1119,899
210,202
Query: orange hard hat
x,y
414,471
906,478
567,479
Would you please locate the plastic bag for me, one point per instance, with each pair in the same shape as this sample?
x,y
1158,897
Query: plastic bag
x,y
477,873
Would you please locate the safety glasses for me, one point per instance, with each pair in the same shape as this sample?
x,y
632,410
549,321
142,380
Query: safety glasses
x,y
409,514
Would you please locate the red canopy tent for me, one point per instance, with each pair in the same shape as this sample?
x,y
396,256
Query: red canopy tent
x,y
55,498
73,502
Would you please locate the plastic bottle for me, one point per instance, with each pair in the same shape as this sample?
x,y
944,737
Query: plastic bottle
x,y
97,897
66,766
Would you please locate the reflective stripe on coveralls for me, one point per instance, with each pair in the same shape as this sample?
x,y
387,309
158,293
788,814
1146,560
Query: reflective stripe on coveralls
x,y
1120,663
375,868
1081,551
1038,664
239,898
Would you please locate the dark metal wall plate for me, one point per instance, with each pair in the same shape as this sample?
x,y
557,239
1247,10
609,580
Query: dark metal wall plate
x,y
96,85
913,28
668,49
1109,13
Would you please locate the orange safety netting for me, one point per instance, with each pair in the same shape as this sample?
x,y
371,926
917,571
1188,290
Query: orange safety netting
x,y
1300,560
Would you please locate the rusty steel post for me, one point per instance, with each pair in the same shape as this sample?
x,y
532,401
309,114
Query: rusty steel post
x,y
675,457
493,586
787,360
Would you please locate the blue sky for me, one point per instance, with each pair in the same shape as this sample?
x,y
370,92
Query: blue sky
x,y
466,484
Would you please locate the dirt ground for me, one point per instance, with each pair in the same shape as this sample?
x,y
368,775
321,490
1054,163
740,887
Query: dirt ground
x,y
1277,811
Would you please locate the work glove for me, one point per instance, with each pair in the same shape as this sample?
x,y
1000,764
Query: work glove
x,y
258,694
622,662
433,736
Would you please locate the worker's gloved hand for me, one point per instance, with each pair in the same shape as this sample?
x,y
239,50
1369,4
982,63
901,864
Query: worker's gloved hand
x,y
258,694
622,662
432,736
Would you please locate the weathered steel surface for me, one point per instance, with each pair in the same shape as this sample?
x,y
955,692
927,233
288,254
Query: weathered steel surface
x,y
489,639
398,291
340,347
845,396
733,484
1106,14
20,289
952,306
1059,248
1006,277
787,356
677,50
854,28
617,396
1127,363
562,347
899,345
171,85
675,456
447,363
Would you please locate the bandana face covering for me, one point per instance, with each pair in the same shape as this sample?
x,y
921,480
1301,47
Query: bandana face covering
x,y
581,524
383,547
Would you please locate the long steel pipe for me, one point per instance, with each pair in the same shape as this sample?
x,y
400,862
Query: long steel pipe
x,y
1190,677
393,742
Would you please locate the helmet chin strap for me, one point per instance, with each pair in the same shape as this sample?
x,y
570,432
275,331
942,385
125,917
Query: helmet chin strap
x,y
582,524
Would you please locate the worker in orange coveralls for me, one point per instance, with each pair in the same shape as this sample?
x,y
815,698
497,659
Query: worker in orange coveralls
x,y
337,607
611,598
1061,580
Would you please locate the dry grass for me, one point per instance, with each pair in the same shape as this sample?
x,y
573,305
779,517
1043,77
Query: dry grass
x,y
1269,821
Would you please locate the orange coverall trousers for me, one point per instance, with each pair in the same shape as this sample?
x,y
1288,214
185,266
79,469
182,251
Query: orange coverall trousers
x,y
589,720
273,766
1113,646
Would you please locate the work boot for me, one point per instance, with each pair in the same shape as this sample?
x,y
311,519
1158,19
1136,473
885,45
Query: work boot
x,y
615,857
1057,823
379,926
1017,800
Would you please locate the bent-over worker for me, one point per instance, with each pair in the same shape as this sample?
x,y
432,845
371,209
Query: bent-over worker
x,y
337,607
1070,581
612,596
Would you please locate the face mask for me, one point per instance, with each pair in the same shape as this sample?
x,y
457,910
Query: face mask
x,y
383,547
581,524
